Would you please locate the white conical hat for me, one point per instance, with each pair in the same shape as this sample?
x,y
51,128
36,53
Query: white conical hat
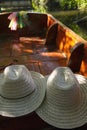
x,y
65,103
21,91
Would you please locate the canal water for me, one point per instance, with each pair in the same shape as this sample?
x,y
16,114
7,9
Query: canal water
x,y
70,18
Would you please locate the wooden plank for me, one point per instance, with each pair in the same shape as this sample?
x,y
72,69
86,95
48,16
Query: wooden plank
x,y
14,5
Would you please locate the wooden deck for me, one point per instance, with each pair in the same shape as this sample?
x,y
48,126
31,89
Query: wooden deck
x,y
31,52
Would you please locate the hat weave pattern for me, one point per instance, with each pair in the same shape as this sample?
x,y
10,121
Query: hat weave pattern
x,y
21,91
17,82
65,103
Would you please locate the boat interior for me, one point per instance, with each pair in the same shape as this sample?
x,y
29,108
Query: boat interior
x,y
44,44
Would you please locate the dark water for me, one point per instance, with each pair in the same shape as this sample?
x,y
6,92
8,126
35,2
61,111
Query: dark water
x,y
70,18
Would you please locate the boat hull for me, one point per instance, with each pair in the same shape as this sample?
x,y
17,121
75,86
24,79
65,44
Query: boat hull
x,y
29,46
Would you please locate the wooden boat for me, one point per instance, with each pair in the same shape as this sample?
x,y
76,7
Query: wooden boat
x,y
44,44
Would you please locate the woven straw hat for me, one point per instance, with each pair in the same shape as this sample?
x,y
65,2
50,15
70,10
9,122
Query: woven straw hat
x,y
65,103
21,91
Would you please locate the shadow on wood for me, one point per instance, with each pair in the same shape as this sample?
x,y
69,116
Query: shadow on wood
x,y
51,37
76,57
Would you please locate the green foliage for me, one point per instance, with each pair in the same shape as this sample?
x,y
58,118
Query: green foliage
x,y
44,5
55,5
68,4
82,4
39,5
